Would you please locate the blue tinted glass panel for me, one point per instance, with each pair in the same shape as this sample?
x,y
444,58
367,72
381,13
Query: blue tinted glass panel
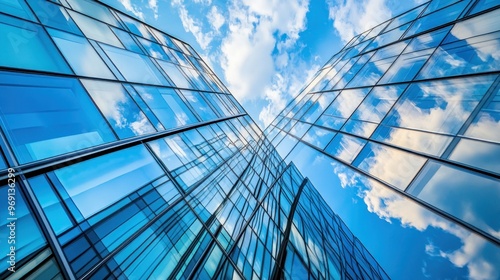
x,y
119,109
95,10
378,103
404,18
346,102
52,206
487,122
345,147
435,19
318,137
26,45
136,27
359,128
387,38
331,122
427,143
466,195
135,67
478,154
197,79
440,106
482,5
371,72
54,16
199,105
167,106
96,30
175,74
154,49
57,116
127,40
17,8
390,165
406,67
92,190
427,40
81,55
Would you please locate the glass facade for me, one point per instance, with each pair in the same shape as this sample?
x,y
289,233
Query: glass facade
x,y
122,156
399,132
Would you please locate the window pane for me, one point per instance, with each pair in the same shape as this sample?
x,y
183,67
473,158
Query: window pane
x,y
359,128
346,102
486,125
135,67
96,30
406,17
167,106
136,27
378,103
127,40
54,15
427,143
468,196
17,8
92,190
57,116
95,10
478,154
154,49
318,137
390,165
345,147
175,74
406,67
440,106
119,109
435,19
199,105
81,55
26,45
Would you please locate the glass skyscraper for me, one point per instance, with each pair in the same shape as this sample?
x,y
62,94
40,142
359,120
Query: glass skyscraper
x,y
400,134
122,156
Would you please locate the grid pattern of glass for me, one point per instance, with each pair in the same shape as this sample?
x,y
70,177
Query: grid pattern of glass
x,y
407,115
127,158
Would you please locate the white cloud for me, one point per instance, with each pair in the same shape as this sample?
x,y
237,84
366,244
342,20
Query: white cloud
x,y
352,17
192,25
127,4
215,18
153,5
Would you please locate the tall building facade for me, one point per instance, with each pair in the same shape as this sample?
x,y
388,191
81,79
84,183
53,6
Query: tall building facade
x,y
400,134
122,156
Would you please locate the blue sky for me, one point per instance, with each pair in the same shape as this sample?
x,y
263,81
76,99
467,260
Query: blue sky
x,y
264,50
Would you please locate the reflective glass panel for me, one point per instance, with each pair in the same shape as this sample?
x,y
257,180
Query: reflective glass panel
x,y
96,30
427,143
389,164
486,124
478,154
435,19
406,67
136,27
346,102
427,40
482,5
135,67
199,104
318,137
440,106
92,190
54,16
175,74
26,45
466,195
406,17
167,106
154,49
81,55
371,73
345,147
57,116
95,10
17,8
359,128
378,103
119,109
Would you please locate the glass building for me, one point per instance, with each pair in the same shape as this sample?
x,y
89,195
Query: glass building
x,y
122,156
400,134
